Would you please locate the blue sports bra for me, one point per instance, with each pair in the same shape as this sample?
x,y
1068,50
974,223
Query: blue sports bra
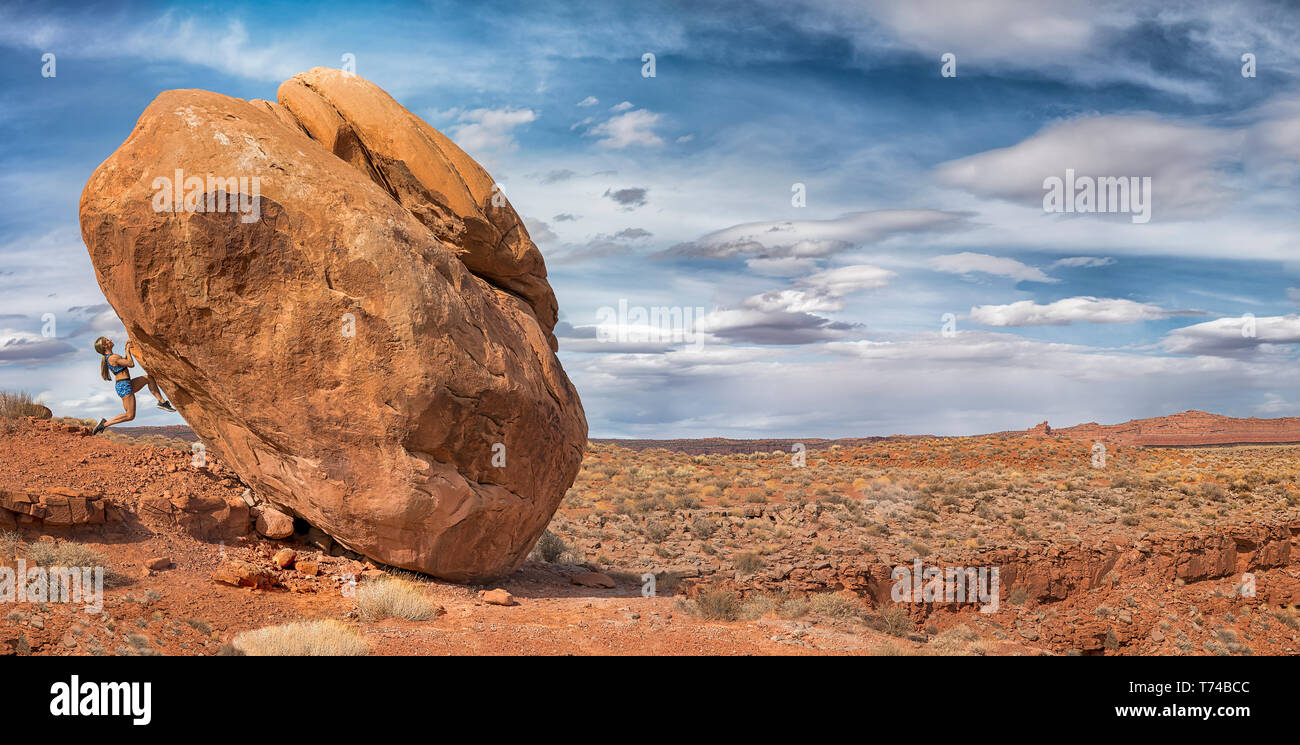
x,y
114,370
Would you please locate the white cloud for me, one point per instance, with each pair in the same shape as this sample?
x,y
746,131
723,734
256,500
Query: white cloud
x,y
620,107
1103,41
489,129
1185,162
1070,310
1231,337
24,347
784,266
1006,30
813,238
926,384
823,291
625,130
588,101
969,263
168,37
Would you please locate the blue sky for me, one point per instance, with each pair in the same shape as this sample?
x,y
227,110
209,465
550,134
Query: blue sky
x,y
924,194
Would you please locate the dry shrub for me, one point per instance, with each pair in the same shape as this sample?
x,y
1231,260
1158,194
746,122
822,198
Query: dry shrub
x,y
758,606
552,549
836,605
391,597
70,554
327,638
893,649
894,621
716,604
13,405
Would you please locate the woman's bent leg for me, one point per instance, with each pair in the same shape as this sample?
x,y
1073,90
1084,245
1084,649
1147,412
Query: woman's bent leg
x,y
128,403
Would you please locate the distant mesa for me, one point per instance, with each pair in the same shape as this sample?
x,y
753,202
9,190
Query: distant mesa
x,y
1190,428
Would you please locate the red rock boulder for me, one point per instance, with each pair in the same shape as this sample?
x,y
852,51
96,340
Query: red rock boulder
x,y
348,315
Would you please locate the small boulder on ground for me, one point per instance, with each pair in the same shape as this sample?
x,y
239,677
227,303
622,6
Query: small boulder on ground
x,y
498,597
284,558
592,579
158,564
273,523
239,573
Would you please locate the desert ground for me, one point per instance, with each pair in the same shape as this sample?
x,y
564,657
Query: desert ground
x,y
1156,551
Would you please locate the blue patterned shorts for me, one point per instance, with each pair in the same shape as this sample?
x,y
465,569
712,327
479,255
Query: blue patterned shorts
x,y
123,388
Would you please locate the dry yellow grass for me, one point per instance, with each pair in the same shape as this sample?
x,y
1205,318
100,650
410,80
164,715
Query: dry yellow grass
x,y
327,638
18,404
391,597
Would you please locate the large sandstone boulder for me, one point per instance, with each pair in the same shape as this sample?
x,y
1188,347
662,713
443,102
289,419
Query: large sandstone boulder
x,y
369,347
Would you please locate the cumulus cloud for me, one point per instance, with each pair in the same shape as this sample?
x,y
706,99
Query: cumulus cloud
x,y
755,326
788,316
816,238
489,129
629,129
823,291
629,198
967,262
588,101
1072,310
22,347
1231,337
620,107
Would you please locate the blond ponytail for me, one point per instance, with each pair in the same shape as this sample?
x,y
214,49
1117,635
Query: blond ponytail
x,y
103,360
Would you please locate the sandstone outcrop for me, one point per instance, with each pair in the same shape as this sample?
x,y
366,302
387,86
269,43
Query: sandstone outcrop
x,y
349,315
55,507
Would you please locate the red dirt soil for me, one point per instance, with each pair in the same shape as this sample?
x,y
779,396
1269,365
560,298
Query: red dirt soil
x,y
1070,585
